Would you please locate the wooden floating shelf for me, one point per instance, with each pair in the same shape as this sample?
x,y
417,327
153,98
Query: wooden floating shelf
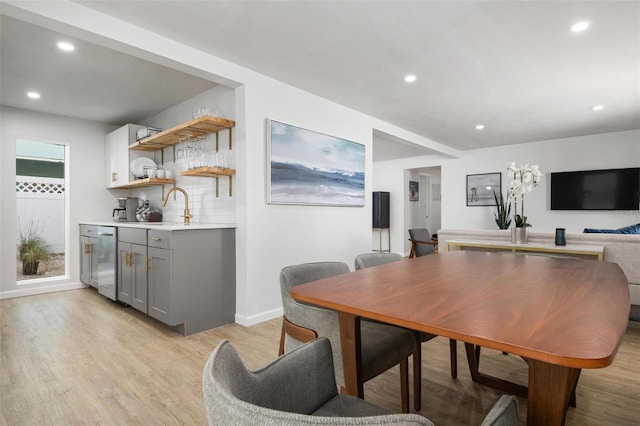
x,y
213,172
141,183
199,127
209,172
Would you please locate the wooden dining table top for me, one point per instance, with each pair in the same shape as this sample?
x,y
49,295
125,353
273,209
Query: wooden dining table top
x,y
567,312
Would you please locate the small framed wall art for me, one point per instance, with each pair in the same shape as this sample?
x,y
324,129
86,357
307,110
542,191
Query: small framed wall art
x,y
480,188
414,192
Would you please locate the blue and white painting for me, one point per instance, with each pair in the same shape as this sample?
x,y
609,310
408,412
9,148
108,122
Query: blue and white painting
x,y
307,167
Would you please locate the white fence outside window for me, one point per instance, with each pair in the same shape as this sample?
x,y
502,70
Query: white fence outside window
x,y
40,203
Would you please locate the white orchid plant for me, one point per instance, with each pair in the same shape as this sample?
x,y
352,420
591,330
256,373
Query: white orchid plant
x,y
525,179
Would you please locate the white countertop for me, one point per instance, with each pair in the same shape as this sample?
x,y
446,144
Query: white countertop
x,y
163,226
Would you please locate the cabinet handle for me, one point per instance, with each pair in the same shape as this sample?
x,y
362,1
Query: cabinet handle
x,y
156,238
87,249
114,176
127,258
146,261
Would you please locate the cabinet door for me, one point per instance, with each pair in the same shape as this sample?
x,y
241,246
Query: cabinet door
x,y
85,260
124,273
139,277
117,157
159,284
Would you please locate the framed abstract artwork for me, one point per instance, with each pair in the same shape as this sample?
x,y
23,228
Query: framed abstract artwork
x,y
480,188
311,168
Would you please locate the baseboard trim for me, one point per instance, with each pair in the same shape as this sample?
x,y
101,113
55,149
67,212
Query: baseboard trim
x,y
48,288
250,320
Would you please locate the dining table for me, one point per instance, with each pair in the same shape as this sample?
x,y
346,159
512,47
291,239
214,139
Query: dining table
x,y
560,315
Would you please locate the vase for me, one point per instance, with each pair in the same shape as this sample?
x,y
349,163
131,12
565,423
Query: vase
x,y
30,268
519,235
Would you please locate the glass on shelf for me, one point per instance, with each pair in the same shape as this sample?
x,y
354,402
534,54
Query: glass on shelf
x,y
200,111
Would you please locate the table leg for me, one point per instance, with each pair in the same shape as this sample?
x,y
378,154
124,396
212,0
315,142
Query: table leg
x,y
351,353
550,389
473,358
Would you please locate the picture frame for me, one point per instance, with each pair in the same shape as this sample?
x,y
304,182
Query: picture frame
x,y
414,191
480,189
310,168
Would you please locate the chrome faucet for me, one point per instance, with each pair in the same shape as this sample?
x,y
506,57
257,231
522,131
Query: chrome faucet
x,y
187,216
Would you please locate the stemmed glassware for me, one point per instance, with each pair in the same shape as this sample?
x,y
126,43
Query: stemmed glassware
x,y
192,151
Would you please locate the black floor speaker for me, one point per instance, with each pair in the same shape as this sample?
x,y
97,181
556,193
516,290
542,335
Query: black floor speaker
x,y
380,209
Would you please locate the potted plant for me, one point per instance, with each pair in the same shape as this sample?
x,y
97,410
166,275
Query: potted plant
x,y
32,249
525,179
503,211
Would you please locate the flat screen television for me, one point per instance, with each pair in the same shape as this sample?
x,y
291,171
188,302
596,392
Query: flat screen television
x,y
613,189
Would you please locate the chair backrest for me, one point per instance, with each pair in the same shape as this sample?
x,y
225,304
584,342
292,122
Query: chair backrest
x,y
294,275
368,260
285,392
421,234
323,321
503,413
298,382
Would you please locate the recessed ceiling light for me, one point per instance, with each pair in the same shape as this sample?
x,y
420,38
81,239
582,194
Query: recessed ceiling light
x,y
598,108
580,26
67,47
33,95
410,78
479,126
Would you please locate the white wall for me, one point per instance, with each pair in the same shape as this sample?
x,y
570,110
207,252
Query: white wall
x,y
86,195
602,151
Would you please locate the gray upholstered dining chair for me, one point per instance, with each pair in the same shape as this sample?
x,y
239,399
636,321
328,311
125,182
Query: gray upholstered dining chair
x,y
422,243
297,388
367,260
383,346
503,413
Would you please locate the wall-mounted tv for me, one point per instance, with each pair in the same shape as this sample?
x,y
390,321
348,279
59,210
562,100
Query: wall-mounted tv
x,y
613,189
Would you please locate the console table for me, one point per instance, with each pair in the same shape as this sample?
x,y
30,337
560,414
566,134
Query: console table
x,y
569,249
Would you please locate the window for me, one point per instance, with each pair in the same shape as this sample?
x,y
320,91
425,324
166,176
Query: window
x,y
40,200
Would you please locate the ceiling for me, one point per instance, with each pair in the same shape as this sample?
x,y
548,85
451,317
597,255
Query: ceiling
x,y
513,66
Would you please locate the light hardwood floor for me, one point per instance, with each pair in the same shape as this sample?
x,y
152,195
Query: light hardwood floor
x,y
76,358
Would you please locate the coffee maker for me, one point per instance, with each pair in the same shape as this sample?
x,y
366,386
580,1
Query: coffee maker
x,y
126,212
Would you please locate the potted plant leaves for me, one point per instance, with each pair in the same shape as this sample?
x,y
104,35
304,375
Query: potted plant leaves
x,y
503,211
32,249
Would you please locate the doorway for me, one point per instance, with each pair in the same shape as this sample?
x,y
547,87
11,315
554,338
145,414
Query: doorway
x,y
41,209
427,212
425,202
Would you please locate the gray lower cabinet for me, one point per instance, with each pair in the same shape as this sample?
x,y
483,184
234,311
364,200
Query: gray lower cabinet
x,y
182,278
89,255
132,267
160,285
191,278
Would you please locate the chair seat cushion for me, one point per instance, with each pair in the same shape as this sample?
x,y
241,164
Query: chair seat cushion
x,y
349,406
383,345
